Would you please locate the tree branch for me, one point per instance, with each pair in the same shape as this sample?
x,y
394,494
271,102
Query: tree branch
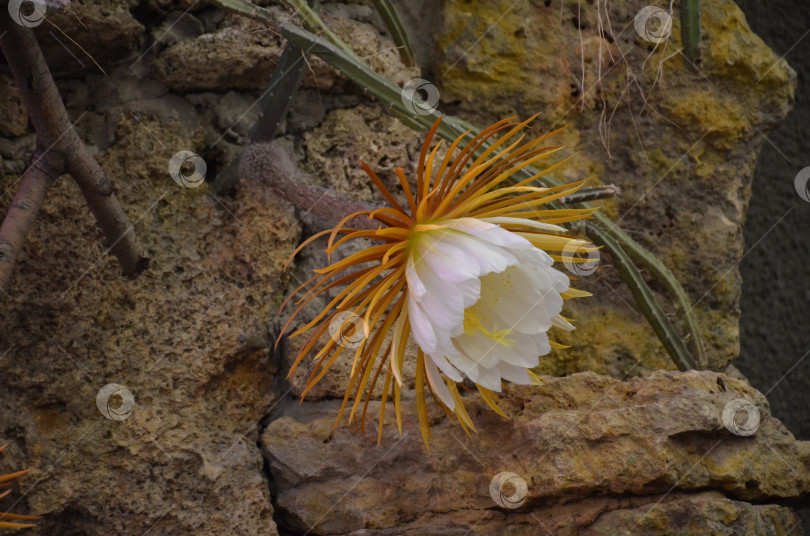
x,y
97,189
34,187
55,134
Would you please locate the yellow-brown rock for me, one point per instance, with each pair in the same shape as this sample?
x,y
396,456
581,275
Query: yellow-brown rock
x,y
681,143
653,440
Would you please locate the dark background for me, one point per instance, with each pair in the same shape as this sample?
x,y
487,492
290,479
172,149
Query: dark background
x,y
775,325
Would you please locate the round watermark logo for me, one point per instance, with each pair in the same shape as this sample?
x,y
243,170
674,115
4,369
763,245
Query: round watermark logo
x,y
28,13
653,24
508,490
580,258
419,96
348,330
741,417
802,183
115,402
188,169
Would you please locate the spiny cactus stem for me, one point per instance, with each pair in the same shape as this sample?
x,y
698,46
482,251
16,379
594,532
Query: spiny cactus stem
x,y
690,30
272,165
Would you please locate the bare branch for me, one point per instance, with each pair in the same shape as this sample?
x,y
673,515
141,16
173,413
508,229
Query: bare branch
x,y
98,192
34,187
58,140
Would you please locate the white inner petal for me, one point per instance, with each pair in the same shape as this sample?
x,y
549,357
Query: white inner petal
x,y
482,301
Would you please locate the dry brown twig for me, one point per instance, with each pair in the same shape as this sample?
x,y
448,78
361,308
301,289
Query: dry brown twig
x,y
59,150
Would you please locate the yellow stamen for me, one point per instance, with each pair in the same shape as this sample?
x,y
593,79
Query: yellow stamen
x,y
472,324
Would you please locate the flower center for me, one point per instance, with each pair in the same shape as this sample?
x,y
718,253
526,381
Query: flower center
x,y
473,324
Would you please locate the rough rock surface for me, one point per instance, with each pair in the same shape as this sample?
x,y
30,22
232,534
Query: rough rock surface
x,y
13,117
675,515
88,36
245,51
575,441
187,338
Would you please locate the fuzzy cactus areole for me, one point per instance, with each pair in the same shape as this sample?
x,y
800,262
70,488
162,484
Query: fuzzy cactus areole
x,y
466,269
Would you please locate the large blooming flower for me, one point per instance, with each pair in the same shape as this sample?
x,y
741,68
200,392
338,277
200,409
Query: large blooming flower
x,y
467,269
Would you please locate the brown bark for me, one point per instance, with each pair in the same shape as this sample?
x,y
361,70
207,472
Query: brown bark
x,y
24,208
57,140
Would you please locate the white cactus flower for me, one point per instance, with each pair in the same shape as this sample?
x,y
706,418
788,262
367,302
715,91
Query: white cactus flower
x,y
481,300
466,270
